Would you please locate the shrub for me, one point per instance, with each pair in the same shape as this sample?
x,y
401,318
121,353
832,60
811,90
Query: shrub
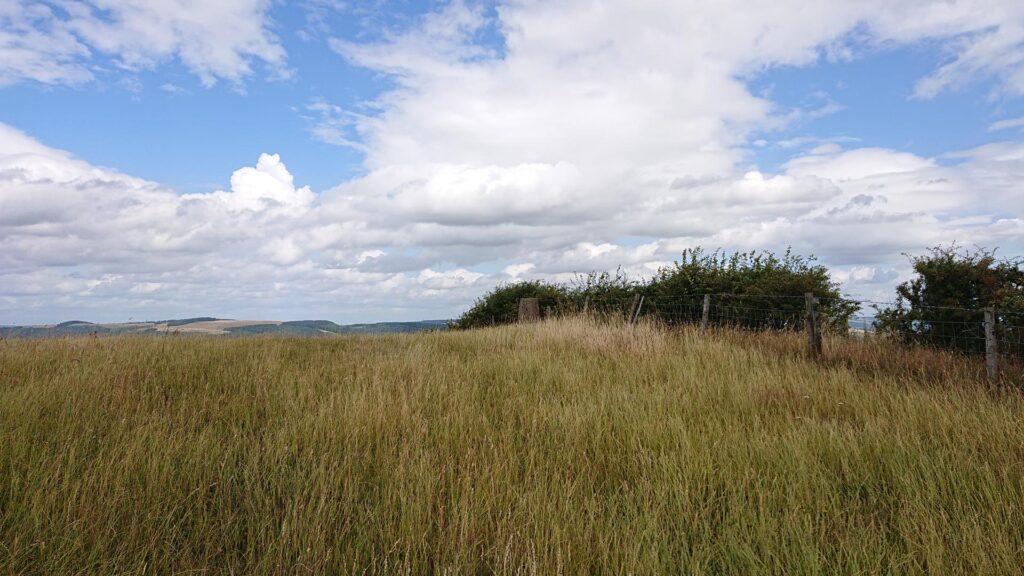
x,y
753,289
601,292
943,305
501,305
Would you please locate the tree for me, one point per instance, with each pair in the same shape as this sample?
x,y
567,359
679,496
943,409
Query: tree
x,y
943,304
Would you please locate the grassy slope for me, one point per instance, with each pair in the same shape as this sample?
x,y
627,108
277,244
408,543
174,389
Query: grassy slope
x,y
561,447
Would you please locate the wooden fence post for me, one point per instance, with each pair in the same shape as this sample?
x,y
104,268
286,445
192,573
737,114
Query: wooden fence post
x,y
817,325
529,309
707,312
991,350
813,325
636,313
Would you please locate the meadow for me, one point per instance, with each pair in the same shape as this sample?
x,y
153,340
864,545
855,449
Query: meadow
x,y
562,447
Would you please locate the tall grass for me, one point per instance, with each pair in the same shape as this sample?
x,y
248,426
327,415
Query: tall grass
x,y
561,447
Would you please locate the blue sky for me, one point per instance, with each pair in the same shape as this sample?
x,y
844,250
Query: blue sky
x,y
394,160
121,119
875,94
203,130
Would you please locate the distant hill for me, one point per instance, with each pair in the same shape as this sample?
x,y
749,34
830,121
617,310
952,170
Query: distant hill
x,y
299,327
383,327
185,321
217,326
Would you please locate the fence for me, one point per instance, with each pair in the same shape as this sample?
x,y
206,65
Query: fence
x,y
986,332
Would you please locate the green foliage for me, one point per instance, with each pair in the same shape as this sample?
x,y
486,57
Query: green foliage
x,y
605,294
604,287
185,321
749,273
70,328
501,305
295,327
749,285
943,305
395,327
750,289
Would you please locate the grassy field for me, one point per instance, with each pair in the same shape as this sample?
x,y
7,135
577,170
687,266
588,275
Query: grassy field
x,y
562,447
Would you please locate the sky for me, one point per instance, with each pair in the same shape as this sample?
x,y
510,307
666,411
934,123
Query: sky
x,y
377,160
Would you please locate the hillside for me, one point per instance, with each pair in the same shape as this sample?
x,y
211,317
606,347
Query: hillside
x,y
217,326
559,447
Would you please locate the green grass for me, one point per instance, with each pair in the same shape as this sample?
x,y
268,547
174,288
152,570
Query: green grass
x,y
563,447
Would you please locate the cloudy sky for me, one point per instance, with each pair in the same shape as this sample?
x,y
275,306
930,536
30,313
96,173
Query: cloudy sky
x,y
360,161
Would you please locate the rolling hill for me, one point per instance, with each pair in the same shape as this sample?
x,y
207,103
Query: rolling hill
x,y
219,327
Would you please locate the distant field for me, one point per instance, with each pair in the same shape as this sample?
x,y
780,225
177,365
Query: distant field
x,y
207,326
561,447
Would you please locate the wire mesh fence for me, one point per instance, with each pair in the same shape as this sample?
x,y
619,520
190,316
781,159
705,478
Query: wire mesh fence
x,y
709,310
1010,333
958,329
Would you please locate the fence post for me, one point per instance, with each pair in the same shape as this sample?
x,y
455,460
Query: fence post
x,y
636,313
991,350
813,325
529,309
707,312
817,326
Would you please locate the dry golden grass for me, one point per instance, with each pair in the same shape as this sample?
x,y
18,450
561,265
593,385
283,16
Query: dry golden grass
x,y
561,447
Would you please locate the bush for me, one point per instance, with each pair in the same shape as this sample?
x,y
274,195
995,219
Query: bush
x,y
943,305
604,294
752,289
501,305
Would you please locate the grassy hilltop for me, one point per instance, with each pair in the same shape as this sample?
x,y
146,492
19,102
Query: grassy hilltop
x,y
561,447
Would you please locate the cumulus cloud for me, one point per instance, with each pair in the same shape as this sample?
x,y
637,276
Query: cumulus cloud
x,y
651,111
59,209
58,44
80,238
267,188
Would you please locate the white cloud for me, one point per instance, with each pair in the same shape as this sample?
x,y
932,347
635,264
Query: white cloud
x,y
517,270
633,99
998,53
439,281
78,238
59,45
830,162
81,240
266,188
173,88
332,124
1006,124
35,45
